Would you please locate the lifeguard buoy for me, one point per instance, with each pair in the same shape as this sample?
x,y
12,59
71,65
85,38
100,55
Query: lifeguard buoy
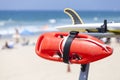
x,y
83,49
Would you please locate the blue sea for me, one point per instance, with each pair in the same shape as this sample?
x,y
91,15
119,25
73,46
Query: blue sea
x,y
36,22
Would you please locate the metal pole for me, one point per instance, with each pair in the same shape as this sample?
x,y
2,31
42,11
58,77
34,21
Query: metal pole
x,y
84,72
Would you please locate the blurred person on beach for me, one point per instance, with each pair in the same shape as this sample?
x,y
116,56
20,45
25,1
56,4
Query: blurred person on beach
x,y
8,45
16,36
25,42
106,40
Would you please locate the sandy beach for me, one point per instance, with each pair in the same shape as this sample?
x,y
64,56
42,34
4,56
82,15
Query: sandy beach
x,y
22,63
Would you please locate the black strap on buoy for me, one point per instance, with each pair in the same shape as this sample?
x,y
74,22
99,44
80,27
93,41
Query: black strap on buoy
x,y
66,49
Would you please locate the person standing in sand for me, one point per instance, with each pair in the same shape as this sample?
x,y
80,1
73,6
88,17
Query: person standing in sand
x,y
16,36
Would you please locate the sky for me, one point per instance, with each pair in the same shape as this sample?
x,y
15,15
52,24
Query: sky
x,y
60,4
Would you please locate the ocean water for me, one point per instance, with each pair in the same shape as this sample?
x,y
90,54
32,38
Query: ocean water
x,y
40,21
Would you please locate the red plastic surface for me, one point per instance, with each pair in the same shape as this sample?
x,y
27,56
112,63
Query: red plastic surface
x,y
86,47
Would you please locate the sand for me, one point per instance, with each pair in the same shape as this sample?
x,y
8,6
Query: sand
x,y
22,63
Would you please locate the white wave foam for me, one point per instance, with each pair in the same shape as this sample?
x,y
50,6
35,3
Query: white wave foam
x,y
2,23
11,30
95,18
52,21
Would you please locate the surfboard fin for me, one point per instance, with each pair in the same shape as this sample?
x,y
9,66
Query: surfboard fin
x,y
74,16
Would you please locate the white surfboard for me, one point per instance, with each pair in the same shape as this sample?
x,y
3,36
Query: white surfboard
x,y
110,26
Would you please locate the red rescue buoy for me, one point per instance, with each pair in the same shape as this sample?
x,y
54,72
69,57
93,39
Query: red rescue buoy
x,y
83,49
